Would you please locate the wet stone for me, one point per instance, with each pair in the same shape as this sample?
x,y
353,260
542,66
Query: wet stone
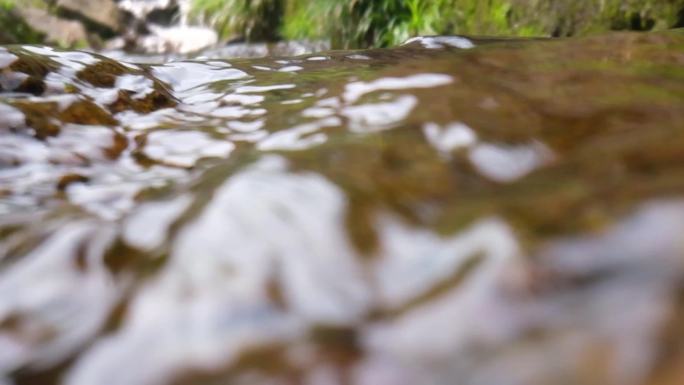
x,y
68,179
480,211
102,74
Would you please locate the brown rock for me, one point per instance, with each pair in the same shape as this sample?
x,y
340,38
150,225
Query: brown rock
x,y
66,33
102,13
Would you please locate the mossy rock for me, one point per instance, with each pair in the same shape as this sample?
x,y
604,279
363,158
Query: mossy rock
x,y
13,28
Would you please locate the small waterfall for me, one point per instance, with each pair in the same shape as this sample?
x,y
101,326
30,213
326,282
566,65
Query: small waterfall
x,y
162,26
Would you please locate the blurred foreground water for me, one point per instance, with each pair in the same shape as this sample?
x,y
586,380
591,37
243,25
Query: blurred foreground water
x,y
451,211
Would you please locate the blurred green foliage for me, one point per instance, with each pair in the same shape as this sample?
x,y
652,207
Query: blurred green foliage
x,y
376,23
252,19
380,23
12,28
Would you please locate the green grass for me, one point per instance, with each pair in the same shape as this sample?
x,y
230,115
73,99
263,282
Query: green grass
x,y
251,19
361,23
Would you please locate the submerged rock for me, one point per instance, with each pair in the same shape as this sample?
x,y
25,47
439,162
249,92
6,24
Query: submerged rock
x,y
453,210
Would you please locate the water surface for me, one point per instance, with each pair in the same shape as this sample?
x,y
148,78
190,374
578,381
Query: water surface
x,y
451,211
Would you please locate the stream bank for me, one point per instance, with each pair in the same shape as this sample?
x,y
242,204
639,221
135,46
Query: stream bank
x,y
184,26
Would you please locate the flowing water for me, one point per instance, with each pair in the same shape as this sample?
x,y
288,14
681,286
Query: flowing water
x,y
451,211
164,30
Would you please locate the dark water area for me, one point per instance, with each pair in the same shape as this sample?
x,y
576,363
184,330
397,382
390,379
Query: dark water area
x,y
450,211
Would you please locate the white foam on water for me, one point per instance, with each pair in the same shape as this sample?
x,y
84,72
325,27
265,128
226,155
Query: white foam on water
x,y
353,91
260,89
6,58
148,227
210,301
51,294
436,42
11,117
185,76
184,148
299,137
476,330
141,8
449,138
372,117
180,39
507,163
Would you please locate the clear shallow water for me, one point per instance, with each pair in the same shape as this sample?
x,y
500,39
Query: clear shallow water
x,y
449,211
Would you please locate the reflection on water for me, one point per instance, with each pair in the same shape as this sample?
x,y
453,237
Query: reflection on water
x,y
448,211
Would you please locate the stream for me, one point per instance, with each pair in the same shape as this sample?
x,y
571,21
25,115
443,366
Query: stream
x,y
454,210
